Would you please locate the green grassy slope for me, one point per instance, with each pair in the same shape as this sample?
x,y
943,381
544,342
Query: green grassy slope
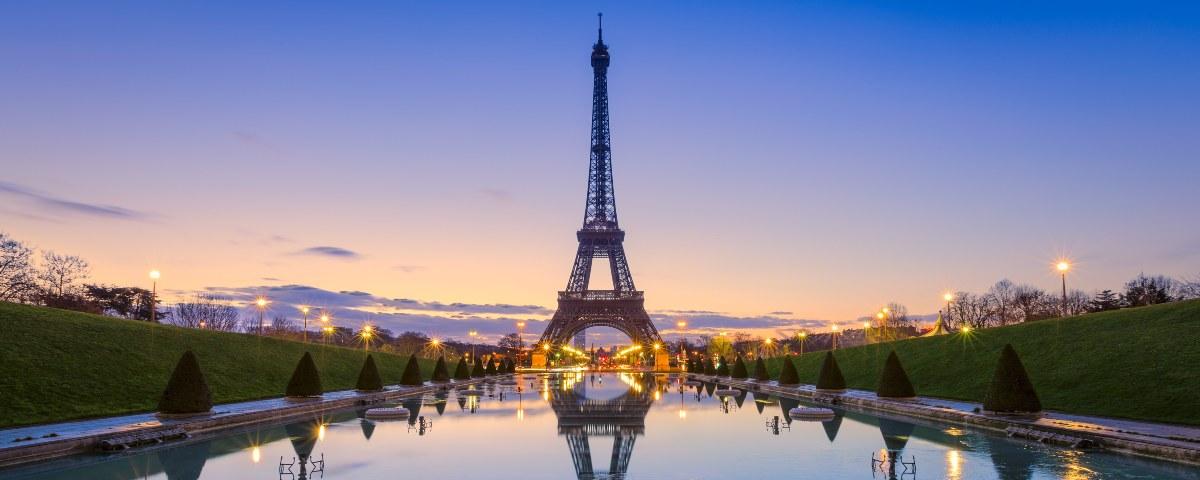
x,y
58,365
1139,363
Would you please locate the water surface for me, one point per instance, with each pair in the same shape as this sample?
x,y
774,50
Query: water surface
x,y
605,425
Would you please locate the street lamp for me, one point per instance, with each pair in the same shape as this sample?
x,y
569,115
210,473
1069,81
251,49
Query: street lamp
x,y
803,336
1063,266
366,335
154,274
833,335
261,304
682,326
473,334
304,309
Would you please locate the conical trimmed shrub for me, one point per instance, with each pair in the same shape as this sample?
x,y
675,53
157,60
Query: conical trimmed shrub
x,y
709,369
739,369
412,373
490,369
760,370
787,372
305,381
441,374
462,371
830,378
368,377
722,368
893,382
477,369
1011,391
187,391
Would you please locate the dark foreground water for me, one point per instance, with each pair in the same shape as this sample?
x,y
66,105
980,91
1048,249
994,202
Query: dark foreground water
x,y
591,426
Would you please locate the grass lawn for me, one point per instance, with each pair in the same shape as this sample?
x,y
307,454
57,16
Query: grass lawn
x,y
59,365
1138,363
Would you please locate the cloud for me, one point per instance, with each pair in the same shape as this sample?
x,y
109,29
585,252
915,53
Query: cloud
x,y
780,313
352,308
408,268
60,205
328,251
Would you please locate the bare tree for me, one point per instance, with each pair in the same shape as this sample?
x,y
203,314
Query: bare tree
x,y
1002,302
968,309
1033,303
1078,302
281,324
1188,289
16,271
60,273
206,311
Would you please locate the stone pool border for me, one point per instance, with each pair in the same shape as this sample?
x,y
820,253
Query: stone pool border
x,y
1160,448
180,428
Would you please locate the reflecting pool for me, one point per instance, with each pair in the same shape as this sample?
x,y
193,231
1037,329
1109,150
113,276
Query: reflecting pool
x,y
604,425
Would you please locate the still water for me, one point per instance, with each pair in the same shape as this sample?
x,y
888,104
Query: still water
x,y
609,425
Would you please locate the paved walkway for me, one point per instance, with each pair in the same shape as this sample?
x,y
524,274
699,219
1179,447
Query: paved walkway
x,y
1159,440
36,442
1187,436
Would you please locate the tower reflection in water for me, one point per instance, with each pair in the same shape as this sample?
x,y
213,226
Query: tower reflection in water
x,y
582,418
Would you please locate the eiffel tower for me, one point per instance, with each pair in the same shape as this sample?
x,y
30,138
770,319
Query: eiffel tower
x,y
623,307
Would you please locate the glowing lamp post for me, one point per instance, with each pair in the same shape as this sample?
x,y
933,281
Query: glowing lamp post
x,y
473,334
154,274
367,332
682,326
304,310
1063,266
261,304
833,335
803,336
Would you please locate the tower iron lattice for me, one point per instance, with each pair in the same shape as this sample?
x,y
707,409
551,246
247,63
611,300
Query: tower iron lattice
x,y
579,307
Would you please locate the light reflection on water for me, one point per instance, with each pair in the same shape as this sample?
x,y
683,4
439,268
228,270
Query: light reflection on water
x,y
588,426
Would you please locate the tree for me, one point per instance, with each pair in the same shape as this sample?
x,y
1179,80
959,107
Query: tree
x,y
127,302
1189,289
720,346
1153,290
412,373
739,369
59,273
830,378
787,372
477,371
490,369
760,370
462,371
280,325
368,377
206,311
968,309
722,367
893,381
1010,390
1002,302
511,341
187,392
709,368
440,373
1104,301
17,280
1033,303
305,381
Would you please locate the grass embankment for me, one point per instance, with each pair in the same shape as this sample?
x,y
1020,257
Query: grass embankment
x,y
59,365
1138,363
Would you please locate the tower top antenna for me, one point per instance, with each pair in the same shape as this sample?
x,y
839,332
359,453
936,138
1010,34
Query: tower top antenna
x,y
600,30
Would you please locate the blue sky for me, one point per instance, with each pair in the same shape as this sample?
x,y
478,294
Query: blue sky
x,y
813,158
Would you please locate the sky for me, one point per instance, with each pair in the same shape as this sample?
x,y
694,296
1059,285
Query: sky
x,y
777,164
